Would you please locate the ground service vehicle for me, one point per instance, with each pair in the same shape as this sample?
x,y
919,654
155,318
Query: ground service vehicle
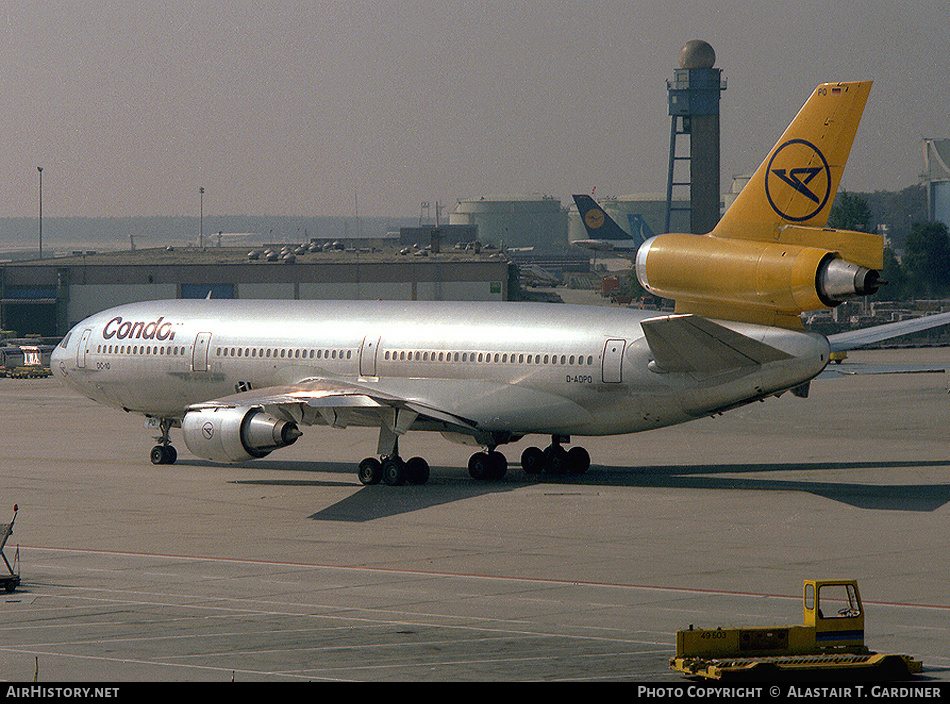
x,y
11,580
829,643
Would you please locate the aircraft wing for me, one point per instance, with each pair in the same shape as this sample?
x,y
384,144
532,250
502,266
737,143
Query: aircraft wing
x,y
337,402
466,406
859,338
691,344
628,247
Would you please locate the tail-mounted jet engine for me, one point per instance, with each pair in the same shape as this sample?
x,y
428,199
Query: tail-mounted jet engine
x,y
235,434
708,275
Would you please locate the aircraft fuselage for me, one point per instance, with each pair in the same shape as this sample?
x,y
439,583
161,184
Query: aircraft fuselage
x,y
506,367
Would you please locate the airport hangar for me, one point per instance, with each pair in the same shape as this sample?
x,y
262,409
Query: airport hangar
x,y
48,296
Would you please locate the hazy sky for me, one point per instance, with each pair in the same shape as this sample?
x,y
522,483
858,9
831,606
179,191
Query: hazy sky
x,y
308,108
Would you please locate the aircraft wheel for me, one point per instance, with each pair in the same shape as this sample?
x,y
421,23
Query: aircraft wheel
x,y
497,465
578,460
555,460
532,460
163,454
394,471
417,470
478,465
371,471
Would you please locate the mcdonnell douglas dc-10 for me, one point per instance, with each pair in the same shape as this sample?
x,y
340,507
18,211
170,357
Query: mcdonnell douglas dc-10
x,y
240,378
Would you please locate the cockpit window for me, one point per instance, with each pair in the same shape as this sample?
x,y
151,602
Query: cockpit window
x,y
65,341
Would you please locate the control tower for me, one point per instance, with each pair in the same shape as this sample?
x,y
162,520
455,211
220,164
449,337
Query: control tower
x,y
693,96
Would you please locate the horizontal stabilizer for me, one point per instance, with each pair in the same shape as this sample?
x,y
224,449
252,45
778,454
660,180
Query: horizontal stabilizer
x,y
861,248
689,343
859,338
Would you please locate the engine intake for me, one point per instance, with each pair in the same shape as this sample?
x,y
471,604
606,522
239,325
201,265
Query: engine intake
x,y
235,434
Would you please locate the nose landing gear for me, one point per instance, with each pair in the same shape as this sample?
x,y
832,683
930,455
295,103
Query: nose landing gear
x,y
164,452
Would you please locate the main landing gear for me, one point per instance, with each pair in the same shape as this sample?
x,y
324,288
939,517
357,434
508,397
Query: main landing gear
x,y
552,460
394,471
486,465
164,452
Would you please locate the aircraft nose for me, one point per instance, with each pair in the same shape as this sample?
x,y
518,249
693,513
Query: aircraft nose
x,y
56,358
59,359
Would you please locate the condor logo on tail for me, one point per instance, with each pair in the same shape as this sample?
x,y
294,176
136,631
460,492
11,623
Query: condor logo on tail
x,y
800,166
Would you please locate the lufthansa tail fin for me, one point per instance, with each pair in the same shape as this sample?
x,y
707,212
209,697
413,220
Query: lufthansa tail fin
x,y
599,225
603,232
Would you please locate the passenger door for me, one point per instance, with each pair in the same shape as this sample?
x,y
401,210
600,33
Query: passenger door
x,y
81,348
199,356
613,361
368,355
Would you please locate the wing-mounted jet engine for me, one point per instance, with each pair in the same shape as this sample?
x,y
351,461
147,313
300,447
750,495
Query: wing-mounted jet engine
x,y
770,258
235,434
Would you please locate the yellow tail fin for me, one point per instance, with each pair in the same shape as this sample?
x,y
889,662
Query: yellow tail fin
x,y
771,257
797,182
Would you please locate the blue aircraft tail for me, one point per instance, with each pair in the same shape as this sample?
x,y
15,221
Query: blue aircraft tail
x,y
639,229
599,225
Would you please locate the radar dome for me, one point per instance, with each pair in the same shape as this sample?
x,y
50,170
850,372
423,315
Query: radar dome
x,y
697,54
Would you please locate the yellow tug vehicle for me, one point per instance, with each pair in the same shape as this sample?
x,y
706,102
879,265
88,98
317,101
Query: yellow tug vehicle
x,y
830,644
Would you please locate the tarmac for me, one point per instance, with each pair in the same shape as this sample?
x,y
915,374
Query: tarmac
x,y
288,569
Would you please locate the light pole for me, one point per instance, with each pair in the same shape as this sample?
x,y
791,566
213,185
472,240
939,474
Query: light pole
x,y
40,169
201,217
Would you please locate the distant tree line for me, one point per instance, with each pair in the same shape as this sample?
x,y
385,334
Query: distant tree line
x,y
923,268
